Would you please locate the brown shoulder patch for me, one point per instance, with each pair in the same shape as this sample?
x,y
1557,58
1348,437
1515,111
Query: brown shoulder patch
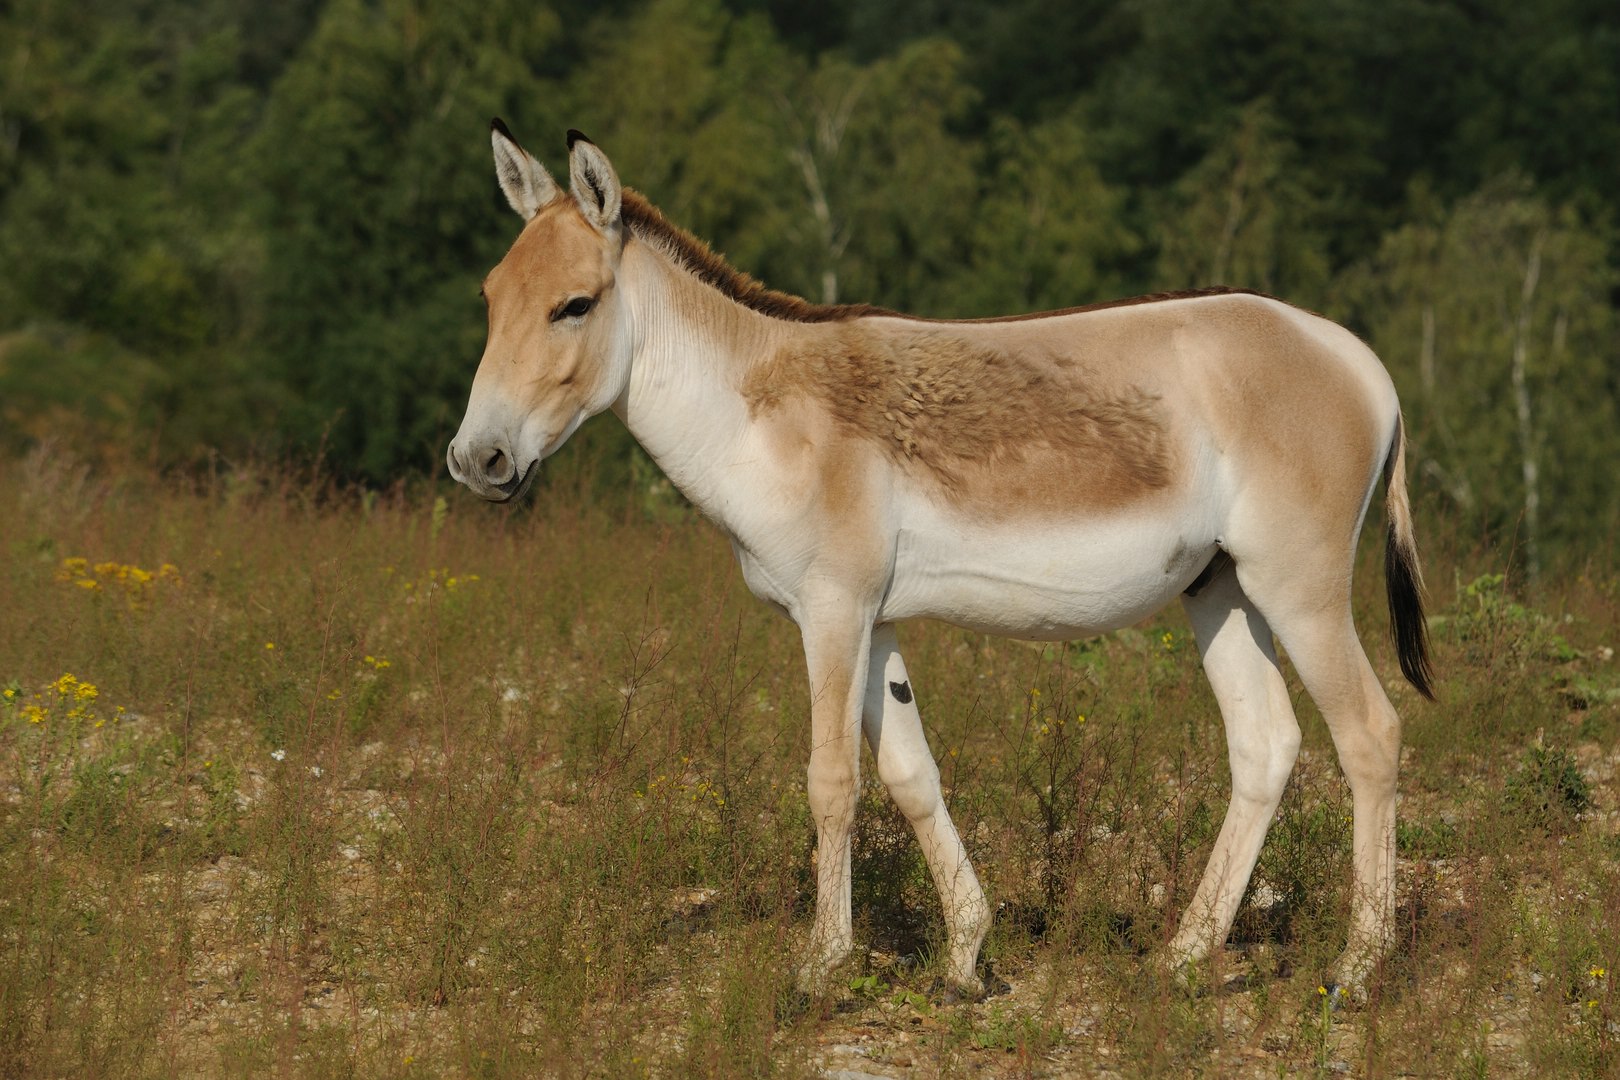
x,y
965,415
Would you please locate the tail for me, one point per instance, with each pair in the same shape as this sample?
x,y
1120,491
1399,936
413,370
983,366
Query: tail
x,y
1403,577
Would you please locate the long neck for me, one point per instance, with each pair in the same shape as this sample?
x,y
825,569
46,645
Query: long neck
x,y
692,345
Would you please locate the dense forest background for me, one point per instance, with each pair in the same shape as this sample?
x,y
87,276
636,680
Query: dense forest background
x,y
239,228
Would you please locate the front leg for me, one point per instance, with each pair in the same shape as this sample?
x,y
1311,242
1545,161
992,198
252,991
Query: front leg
x,y
837,636
906,767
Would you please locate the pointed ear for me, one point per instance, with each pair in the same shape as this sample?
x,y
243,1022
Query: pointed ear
x,y
527,185
595,184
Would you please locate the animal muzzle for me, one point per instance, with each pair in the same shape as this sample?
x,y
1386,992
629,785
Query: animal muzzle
x,y
491,469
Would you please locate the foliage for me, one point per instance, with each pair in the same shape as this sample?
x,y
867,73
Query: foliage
x,y
1548,787
240,228
1492,316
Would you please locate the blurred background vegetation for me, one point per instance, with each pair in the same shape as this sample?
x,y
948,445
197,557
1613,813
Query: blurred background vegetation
x,y
257,230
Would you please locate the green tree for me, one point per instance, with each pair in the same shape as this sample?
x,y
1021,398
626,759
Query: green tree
x,y
379,217
682,96
125,293
1495,317
1048,231
887,186
1243,217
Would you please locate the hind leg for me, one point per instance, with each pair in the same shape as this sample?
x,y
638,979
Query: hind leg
x,y
906,766
1262,739
1314,624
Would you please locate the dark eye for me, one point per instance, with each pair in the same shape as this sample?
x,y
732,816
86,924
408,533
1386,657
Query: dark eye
x,y
575,308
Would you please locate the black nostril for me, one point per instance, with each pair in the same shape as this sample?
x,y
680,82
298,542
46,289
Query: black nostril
x,y
498,466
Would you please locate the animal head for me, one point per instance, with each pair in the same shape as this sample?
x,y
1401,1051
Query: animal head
x,y
558,345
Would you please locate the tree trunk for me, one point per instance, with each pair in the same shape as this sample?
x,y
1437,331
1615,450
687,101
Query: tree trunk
x,y
1521,404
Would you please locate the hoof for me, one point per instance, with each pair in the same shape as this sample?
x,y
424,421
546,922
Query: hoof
x,y
793,1004
1337,996
951,992
1350,979
819,977
1191,977
957,992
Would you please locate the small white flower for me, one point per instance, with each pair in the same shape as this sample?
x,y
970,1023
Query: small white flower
x,y
279,754
315,771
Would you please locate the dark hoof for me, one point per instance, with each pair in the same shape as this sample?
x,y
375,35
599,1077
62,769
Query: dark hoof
x,y
794,1004
950,993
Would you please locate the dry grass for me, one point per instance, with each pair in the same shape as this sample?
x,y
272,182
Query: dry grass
x,y
411,786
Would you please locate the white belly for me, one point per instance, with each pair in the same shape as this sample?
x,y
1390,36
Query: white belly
x,y
1050,579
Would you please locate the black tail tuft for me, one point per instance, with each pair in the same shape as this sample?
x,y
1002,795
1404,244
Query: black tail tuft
x,y
1407,623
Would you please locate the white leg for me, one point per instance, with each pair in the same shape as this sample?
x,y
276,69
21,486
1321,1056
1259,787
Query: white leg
x,y
1321,640
836,642
1367,735
1262,740
906,766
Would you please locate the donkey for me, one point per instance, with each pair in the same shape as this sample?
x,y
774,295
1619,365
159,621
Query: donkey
x,y
1044,476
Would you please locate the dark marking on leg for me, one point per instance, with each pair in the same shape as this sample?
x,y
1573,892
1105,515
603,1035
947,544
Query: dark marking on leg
x,y
901,692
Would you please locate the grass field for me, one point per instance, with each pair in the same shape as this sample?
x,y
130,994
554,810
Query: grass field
x,y
299,781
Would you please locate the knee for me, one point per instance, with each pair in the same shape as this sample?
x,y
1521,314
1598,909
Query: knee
x,y
913,785
1371,754
1262,765
831,786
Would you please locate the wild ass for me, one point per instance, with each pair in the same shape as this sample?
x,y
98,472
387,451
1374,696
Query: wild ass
x,y
1047,476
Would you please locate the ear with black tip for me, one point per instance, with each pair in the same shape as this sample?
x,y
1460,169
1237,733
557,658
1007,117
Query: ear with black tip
x,y
524,181
595,184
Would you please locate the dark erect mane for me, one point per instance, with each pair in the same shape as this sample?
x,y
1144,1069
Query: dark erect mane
x,y
646,223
